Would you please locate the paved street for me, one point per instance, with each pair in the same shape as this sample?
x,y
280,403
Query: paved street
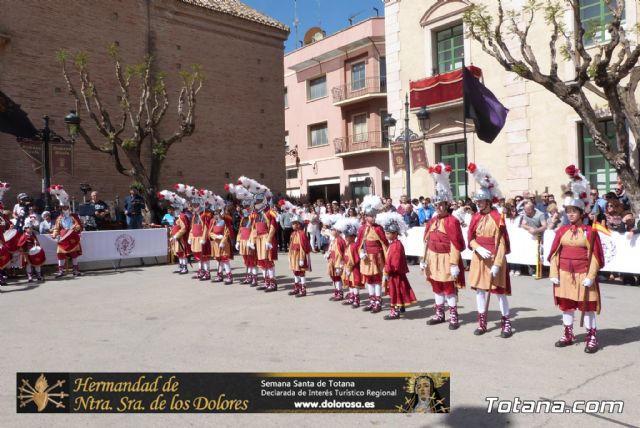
x,y
146,319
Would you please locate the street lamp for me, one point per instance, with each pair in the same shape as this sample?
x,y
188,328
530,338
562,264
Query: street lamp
x,y
407,135
423,120
72,121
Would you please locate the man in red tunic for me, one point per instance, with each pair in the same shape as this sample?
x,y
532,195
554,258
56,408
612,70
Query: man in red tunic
x,y
395,267
299,256
66,231
198,240
244,246
372,244
576,257
444,244
334,254
179,233
5,224
351,277
489,240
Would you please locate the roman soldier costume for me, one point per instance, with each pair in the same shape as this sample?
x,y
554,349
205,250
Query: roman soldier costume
x,y
576,257
488,238
179,235
351,277
395,267
33,256
372,245
444,244
222,236
244,246
264,231
199,231
299,255
66,231
334,255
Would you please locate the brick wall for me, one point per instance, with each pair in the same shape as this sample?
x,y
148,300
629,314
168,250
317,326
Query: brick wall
x,y
239,116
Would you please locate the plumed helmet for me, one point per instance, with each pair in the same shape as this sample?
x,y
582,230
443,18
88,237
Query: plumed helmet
x,y
440,173
392,222
371,205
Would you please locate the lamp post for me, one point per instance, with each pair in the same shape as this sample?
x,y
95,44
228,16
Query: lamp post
x,y
407,135
72,121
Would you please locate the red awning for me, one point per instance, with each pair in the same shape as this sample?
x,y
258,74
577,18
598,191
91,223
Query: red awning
x,y
439,89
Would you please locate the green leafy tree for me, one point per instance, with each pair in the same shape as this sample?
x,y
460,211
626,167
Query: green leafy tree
x,y
608,69
132,133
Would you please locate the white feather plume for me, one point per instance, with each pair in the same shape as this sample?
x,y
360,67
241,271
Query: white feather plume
x,y
392,218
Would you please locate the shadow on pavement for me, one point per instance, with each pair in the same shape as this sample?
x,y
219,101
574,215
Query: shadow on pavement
x,y
475,417
24,287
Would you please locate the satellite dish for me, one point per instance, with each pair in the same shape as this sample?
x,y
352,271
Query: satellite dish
x,y
314,34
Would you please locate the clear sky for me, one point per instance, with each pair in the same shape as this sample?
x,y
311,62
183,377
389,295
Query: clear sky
x,y
330,15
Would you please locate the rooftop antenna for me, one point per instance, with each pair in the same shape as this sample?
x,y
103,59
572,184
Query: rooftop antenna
x,y
353,16
318,13
296,21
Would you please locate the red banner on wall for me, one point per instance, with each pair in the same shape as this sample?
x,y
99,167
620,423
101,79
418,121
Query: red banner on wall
x,y
418,156
33,150
61,159
443,88
397,157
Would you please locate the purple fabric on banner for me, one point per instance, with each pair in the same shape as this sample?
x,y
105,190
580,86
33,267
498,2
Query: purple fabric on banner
x,y
488,114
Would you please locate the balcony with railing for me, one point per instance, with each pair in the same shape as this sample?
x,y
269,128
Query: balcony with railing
x,y
357,90
365,142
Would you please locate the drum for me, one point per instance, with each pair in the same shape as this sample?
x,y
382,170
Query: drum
x,y
69,240
11,238
36,256
5,256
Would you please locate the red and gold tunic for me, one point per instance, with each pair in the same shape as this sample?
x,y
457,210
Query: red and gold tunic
x,y
396,269
335,260
264,228
351,276
299,250
372,240
221,226
71,244
569,258
443,245
483,231
180,231
244,237
199,232
25,244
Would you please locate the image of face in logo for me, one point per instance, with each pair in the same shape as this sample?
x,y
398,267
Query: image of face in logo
x,y
423,389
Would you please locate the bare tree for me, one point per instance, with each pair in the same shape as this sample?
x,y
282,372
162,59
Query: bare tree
x,y
611,73
134,132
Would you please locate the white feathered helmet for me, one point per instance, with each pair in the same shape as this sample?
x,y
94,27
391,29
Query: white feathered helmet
x,y
176,201
240,193
329,220
371,205
195,196
392,222
347,226
261,193
58,191
440,173
580,189
489,189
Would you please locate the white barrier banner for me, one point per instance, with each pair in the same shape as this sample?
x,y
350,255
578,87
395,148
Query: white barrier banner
x,y
113,245
621,254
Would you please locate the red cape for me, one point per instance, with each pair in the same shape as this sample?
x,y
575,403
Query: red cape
x,y
304,241
396,261
452,229
495,215
379,231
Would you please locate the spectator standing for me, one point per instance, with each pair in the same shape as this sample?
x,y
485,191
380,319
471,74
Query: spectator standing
x,y
543,204
45,224
100,211
533,221
287,228
133,206
554,219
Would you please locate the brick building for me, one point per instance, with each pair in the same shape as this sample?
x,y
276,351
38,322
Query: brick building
x,y
239,114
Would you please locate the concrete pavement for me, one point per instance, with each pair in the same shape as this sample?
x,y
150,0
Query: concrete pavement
x,y
147,319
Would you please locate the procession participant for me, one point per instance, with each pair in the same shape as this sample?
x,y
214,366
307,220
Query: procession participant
x,y
66,231
5,224
198,232
576,256
299,255
395,267
334,254
489,240
372,244
33,256
179,230
244,246
221,234
444,243
351,277
264,231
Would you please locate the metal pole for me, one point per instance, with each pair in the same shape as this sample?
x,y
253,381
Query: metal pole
x,y
46,134
407,135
